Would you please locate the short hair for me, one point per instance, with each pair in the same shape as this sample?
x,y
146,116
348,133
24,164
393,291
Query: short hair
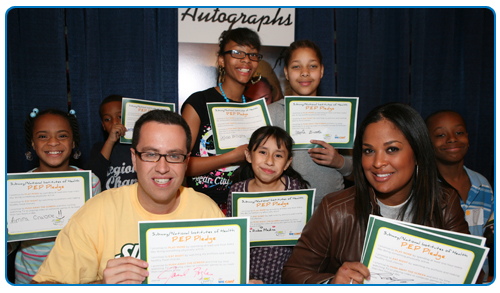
x,y
241,36
164,117
300,44
109,99
71,118
424,202
428,119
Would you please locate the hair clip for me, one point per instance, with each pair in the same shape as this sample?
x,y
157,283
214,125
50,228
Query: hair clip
x,y
34,112
72,112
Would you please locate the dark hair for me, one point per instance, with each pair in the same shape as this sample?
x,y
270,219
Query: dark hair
x,y
71,118
424,203
283,139
428,119
164,117
262,79
241,36
109,99
286,54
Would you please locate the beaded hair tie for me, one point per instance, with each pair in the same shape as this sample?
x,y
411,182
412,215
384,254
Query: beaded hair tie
x,y
34,112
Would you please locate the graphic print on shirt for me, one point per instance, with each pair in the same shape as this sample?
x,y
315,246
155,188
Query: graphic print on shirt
x,y
115,176
220,179
129,249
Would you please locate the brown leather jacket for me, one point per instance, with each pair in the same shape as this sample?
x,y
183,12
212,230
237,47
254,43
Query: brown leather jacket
x,y
332,237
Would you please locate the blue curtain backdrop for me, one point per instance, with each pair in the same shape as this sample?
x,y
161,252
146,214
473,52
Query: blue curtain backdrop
x,y
129,52
35,77
429,58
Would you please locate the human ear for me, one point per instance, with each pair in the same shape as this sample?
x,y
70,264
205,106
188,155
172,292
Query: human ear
x,y
132,153
288,163
221,61
248,156
322,70
286,73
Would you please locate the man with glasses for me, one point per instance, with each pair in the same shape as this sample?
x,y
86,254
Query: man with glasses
x,y
100,242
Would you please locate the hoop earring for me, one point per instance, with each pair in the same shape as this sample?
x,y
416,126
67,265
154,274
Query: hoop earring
x,y
29,156
257,79
77,154
222,74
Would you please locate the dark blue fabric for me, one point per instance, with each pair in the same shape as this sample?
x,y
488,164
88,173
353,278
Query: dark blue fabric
x,y
431,58
129,52
36,75
452,68
317,25
373,54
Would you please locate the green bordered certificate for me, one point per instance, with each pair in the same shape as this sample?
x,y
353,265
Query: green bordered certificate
x,y
40,204
234,123
397,253
276,218
132,109
211,251
330,119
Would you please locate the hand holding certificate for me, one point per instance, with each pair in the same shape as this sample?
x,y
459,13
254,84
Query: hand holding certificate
x,y
330,119
397,252
132,109
213,251
233,123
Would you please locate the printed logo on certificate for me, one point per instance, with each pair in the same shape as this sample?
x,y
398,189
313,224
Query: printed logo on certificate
x,y
208,251
330,119
132,109
40,204
234,123
276,218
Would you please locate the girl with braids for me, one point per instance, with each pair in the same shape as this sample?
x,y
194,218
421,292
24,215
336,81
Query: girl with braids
x,y
269,155
53,135
395,176
238,58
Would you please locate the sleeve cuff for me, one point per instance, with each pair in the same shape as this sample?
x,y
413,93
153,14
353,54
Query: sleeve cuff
x,y
346,169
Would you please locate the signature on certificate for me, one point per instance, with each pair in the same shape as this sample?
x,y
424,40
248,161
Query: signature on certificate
x,y
388,278
197,273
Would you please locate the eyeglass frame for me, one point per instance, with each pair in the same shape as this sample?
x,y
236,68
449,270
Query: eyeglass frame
x,y
161,155
259,56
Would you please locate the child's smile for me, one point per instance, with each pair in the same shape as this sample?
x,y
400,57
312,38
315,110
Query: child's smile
x,y
268,162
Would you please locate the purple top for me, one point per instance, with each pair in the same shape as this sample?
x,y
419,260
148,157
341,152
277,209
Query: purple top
x,y
266,263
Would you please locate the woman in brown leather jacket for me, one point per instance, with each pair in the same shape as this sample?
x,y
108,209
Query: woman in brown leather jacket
x,y
395,177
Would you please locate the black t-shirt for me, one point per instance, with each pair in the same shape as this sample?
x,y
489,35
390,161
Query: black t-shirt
x,y
116,172
216,183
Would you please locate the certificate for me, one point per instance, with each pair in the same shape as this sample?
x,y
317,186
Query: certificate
x,y
233,123
330,119
40,204
400,253
276,218
132,109
210,251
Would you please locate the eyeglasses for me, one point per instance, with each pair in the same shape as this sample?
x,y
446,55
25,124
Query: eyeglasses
x,y
155,157
241,55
